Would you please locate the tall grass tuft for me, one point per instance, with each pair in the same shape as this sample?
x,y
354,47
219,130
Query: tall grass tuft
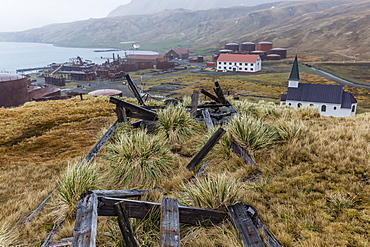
x,y
176,124
290,129
8,235
213,192
76,181
252,133
139,159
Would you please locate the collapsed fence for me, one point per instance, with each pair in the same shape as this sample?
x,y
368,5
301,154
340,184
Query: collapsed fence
x,y
105,203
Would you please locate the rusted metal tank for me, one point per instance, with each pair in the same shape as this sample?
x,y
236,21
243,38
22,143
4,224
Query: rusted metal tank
x,y
280,51
13,90
273,57
247,46
264,46
262,54
225,51
232,46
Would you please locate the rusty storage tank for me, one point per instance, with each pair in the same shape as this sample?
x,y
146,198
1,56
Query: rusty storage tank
x,y
13,90
262,54
232,46
264,46
247,46
273,57
225,51
280,51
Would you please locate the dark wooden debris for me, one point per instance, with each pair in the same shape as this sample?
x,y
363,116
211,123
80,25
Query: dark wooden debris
x,y
86,221
206,148
242,153
121,114
220,93
62,243
170,223
49,238
211,96
141,210
125,226
134,110
134,90
194,102
245,226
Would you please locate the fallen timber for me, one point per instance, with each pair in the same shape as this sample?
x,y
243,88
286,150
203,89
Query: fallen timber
x,y
134,111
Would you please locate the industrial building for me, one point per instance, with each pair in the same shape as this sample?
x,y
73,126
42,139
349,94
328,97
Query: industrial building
x,y
243,63
179,53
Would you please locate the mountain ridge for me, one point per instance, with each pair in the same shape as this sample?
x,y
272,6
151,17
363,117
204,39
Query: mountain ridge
x,y
336,26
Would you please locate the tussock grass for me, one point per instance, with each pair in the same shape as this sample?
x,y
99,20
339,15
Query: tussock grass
x,y
213,192
8,234
176,124
139,159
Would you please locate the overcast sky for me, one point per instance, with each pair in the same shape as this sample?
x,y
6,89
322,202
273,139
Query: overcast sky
x,y
19,15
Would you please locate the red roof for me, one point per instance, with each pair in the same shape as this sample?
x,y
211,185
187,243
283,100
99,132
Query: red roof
x,y
144,57
180,51
238,58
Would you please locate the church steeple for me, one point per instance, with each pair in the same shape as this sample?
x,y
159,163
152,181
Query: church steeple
x,y
294,74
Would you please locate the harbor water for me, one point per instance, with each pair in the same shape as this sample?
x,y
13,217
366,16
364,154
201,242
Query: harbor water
x,y
18,55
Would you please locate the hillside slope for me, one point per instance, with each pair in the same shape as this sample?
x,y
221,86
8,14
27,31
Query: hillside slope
x,y
337,26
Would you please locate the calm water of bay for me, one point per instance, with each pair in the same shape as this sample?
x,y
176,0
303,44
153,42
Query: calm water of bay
x,y
16,55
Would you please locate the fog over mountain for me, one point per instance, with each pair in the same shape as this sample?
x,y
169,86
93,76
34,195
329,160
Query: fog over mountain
x,y
149,6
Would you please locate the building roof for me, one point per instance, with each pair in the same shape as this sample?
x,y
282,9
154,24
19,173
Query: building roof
x,y
294,73
238,58
180,51
331,94
143,57
9,77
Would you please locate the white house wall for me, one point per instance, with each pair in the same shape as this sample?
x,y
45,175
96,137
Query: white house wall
x,y
334,110
239,67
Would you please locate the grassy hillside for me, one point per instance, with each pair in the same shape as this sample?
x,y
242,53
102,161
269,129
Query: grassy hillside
x,y
338,29
314,188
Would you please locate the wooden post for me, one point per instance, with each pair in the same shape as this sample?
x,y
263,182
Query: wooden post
x,y
194,102
85,231
220,93
211,96
121,114
242,153
206,148
244,224
134,90
125,226
207,119
170,225
134,110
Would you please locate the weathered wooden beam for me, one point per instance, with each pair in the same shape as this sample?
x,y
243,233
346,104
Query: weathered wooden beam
x,y
170,223
207,119
61,243
220,93
121,193
206,148
194,102
141,210
203,106
140,112
211,96
244,224
125,226
49,238
242,153
85,230
121,114
134,90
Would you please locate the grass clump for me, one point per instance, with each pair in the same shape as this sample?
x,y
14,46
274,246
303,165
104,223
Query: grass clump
x,y
77,180
290,129
139,159
176,124
213,192
252,133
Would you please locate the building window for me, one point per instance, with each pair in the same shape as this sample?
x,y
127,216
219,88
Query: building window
x,y
246,64
240,68
335,108
323,108
229,67
224,68
240,64
230,63
312,105
252,64
353,108
224,62
219,67
290,104
251,69
299,105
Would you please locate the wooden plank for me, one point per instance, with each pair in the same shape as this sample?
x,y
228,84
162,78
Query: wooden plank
x,y
211,96
244,224
121,193
206,148
141,112
85,230
242,153
61,243
194,102
125,226
220,93
121,114
141,210
56,228
134,90
207,119
170,223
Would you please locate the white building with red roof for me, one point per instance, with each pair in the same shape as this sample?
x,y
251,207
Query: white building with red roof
x,y
239,63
